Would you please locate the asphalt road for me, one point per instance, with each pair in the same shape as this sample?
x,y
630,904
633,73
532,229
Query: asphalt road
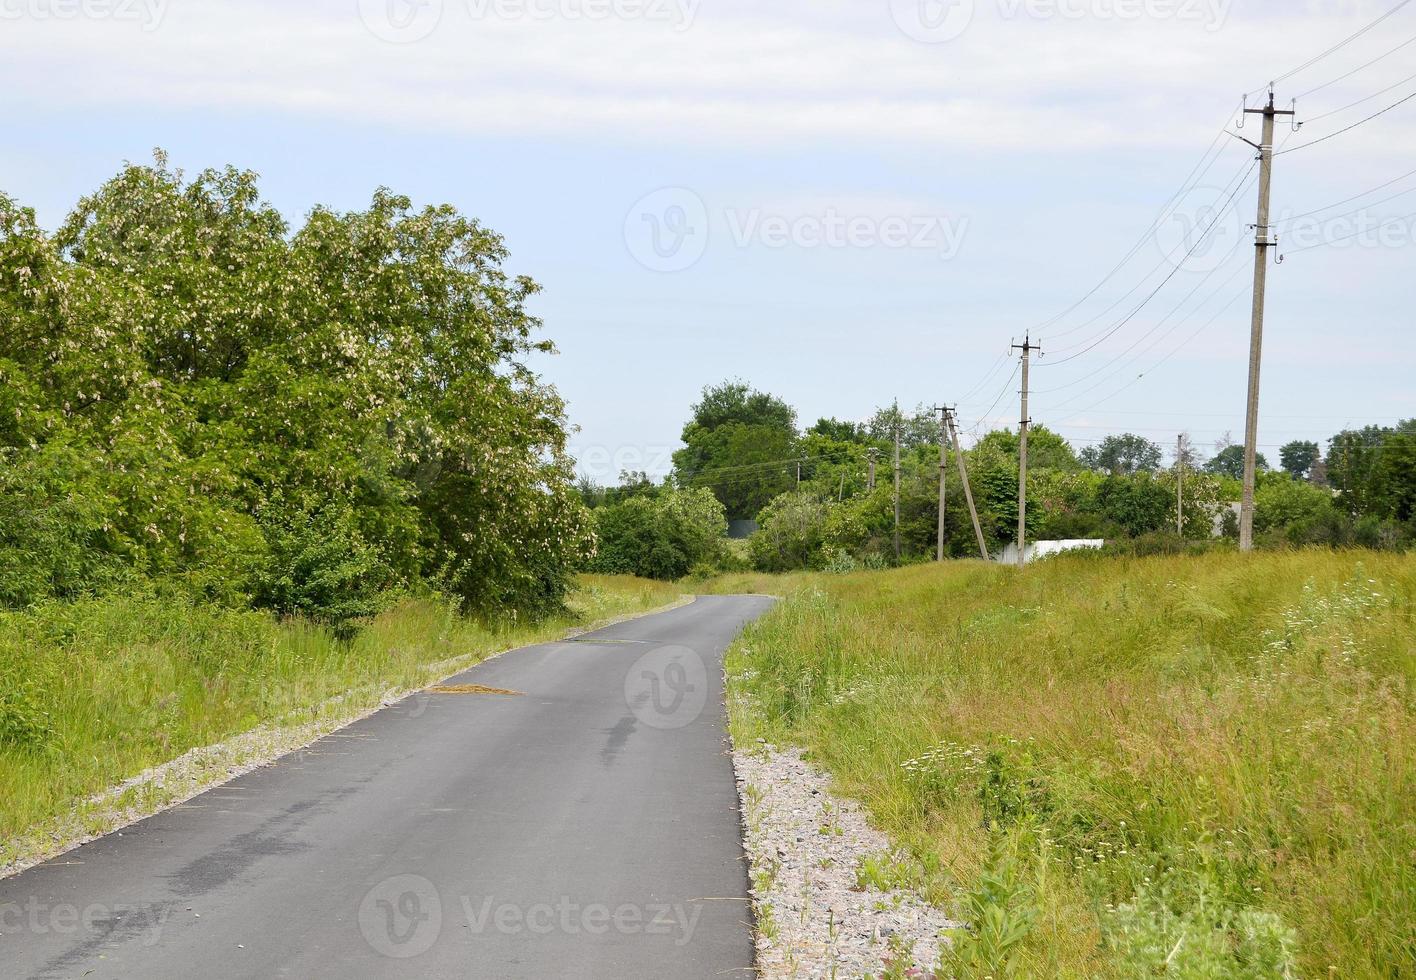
x,y
586,827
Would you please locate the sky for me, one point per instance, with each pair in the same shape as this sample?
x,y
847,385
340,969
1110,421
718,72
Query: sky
x,y
843,202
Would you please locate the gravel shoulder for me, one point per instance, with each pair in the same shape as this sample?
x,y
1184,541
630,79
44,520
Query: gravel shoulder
x,y
827,901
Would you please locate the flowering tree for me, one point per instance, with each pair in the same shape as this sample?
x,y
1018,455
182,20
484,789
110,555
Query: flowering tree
x,y
301,420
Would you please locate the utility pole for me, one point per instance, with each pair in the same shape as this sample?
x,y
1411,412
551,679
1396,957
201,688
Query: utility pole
x,y
943,471
1027,347
798,473
870,455
1180,485
897,483
964,476
1256,330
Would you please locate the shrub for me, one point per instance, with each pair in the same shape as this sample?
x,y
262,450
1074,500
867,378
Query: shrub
x,y
662,536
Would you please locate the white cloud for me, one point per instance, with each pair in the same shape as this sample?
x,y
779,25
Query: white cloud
x,y
1022,77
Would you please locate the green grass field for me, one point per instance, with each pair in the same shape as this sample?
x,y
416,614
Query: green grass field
x,y
92,693
1195,767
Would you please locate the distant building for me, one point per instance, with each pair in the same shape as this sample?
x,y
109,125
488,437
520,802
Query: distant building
x,y
741,529
1041,549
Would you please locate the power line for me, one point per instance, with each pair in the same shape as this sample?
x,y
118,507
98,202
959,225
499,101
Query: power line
x,y
1187,185
1336,47
1157,365
1347,129
1353,105
1344,238
1234,275
1342,78
1166,259
1173,273
1349,200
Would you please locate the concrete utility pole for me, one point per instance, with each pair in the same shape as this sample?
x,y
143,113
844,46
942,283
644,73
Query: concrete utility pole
x,y
897,483
1256,330
964,476
943,471
1180,485
870,455
1027,347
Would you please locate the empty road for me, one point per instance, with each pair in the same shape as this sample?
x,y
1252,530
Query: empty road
x,y
584,826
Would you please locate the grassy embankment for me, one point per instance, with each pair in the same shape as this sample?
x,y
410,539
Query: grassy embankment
x,y
1196,767
92,693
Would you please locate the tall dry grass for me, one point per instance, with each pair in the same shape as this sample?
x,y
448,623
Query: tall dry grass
x,y
1191,766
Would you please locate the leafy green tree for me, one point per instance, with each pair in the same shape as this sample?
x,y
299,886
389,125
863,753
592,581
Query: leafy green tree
x,y
1229,462
916,429
304,420
742,444
661,536
1046,449
1354,469
1122,455
793,529
835,430
1286,503
1297,458
1139,504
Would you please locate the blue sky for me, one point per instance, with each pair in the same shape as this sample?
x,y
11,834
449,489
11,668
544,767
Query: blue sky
x,y
854,200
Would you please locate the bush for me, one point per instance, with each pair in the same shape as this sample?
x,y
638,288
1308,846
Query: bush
x,y
791,531
660,536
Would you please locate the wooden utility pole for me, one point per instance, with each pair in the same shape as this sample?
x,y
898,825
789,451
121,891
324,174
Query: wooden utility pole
x,y
943,472
1262,244
964,476
1027,347
897,483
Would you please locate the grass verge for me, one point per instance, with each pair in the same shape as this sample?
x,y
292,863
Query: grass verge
x,y
1196,767
94,693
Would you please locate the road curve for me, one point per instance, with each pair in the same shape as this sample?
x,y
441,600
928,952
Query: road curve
x,y
585,826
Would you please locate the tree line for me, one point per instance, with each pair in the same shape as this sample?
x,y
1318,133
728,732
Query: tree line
x,y
197,397
744,457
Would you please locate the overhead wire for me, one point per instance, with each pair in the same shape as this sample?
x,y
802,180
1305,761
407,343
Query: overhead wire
x,y
1173,273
